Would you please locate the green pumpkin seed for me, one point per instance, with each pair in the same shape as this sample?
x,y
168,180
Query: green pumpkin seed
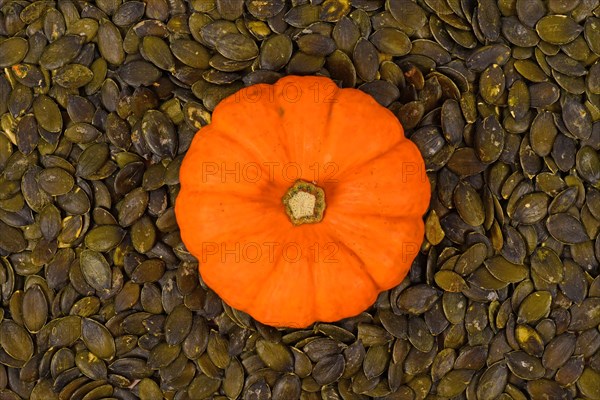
x,y
47,114
190,53
55,181
73,76
287,387
178,325
157,51
333,10
492,83
328,369
566,228
61,52
557,29
534,307
159,133
129,13
139,73
13,51
588,383
341,68
16,341
345,34
558,351
366,60
455,382
417,299
531,208
263,11
588,164
110,43
489,139
524,365
547,265
376,361
409,14
149,389
35,309
391,41
506,271
529,340
302,15
275,355
542,134
96,270
468,204
493,381
547,388
570,372
315,44
104,238
450,281
305,64
464,162
237,47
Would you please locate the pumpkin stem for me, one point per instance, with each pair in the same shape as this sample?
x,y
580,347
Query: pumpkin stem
x,y
304,203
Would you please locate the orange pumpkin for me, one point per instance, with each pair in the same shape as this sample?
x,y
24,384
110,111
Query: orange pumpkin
x,y
302,201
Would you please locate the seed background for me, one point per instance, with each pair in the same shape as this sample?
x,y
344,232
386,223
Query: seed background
x,y
98,105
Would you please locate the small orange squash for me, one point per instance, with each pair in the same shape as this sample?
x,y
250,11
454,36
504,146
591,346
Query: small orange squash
x,y
302,201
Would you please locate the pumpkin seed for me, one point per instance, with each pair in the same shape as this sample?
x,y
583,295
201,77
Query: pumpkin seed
x,y
368,64
139,73
237,47
492,83
178,324
302,15
544,387
493,381
47,114
104,238
547,265
489,141
61,52
275,355
13,51
156,50
566,228
391,41
417,299
587,383
506,271
529,340
16,341
557,29
524,365
584,315
411,15
455,382
558,351
35,308
95,270
535,307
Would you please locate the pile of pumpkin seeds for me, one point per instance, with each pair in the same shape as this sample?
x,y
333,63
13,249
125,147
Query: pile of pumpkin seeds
x,y
99,102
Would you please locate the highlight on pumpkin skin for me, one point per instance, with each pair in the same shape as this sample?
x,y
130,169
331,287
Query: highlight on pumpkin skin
x,y
245,231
